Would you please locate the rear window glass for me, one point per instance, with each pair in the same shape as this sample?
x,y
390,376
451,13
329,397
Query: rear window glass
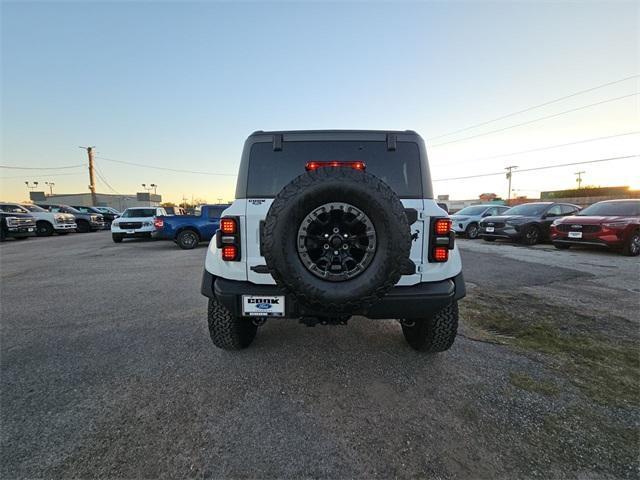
x,y
270,171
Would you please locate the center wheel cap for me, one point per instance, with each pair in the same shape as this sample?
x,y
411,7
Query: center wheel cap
x,y
350,234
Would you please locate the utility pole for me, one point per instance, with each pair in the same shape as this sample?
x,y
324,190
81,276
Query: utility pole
x,y
50,185
509,174
92,178
579,179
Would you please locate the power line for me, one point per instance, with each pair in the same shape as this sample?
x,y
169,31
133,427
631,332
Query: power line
x,y
104,180
537,119
167,169
534,107
521,152
537,168
41,176
40,168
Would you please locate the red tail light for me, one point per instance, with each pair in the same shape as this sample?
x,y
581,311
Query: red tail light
x,y
442,226
356,165
229,253
158,223
228,239
228,226
440,254
441,239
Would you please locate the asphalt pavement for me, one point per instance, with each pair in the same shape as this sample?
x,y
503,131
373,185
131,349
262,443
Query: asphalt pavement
x,y
107,370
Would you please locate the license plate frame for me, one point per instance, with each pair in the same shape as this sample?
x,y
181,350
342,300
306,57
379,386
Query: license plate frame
x,y
490,229
575,234
263,305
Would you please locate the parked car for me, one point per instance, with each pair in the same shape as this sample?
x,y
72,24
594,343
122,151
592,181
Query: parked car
x,y
86,222
16,225
137,222
466,221
189,230
175,211
46,222
528,223
612,224
108,210
317,239
108,217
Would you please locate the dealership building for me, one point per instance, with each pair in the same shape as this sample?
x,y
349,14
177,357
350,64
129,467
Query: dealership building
x,y
119,202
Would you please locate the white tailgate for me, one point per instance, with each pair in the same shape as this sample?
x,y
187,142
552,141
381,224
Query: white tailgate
x,y
256,211
417,232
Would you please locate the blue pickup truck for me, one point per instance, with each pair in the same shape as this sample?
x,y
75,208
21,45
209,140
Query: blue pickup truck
x,y
189,230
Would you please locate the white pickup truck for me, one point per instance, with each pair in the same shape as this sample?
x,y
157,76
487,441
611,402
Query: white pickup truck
x,y
46,222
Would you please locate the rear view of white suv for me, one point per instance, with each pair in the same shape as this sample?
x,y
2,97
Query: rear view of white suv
x,y
46,222
138,222
330,224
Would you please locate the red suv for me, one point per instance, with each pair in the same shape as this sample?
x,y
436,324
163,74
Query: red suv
x,y
612,223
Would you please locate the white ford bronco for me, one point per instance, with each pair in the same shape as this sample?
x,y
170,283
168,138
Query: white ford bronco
x,y
330,224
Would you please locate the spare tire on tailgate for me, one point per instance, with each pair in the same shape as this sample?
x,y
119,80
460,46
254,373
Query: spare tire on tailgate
x,y
337,239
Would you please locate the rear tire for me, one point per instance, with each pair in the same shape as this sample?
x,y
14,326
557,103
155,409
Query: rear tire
x,y
188,239
562,246
433,334
117,238
472,231
632,247
44,229
228,331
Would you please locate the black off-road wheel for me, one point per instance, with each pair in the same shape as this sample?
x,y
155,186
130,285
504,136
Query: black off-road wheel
x,y
116,237
433,334
44,229
472,231
531,235
188,239
632,247
228,331
337,239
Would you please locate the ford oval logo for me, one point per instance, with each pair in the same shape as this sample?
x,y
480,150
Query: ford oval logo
x,y
263,306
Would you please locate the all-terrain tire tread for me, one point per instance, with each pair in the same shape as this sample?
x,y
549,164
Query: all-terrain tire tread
x,y
436,333
228,331
309,294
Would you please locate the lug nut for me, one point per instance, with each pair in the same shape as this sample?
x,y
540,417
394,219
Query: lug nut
x,y
336,230
326,235
345,246
336,252
326,246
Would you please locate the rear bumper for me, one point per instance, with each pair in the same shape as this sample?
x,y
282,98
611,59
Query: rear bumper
x,y
416,301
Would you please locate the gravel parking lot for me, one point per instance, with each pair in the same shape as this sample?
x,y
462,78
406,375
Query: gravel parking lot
x,y
107,370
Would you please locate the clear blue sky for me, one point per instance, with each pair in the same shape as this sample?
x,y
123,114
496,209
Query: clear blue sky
x,y
181,85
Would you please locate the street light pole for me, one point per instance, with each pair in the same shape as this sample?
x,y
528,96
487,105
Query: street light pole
x,y
509,170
